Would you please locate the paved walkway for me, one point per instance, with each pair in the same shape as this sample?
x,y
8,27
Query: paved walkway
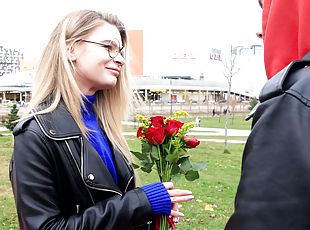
x,y
200,132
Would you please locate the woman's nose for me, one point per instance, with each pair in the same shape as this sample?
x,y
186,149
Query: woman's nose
x,y
119,59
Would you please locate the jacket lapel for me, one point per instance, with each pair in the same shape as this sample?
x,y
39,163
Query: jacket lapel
x,y
94,171
124,171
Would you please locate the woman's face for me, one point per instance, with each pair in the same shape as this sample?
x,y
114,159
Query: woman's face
x,y
95,69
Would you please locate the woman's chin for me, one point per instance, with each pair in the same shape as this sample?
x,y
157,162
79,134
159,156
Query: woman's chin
x,y
109,85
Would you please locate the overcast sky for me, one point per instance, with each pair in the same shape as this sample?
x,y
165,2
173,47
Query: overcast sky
x,y
178,24
169,26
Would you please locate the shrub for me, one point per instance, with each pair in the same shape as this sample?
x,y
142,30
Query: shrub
x,y
253,102
10,120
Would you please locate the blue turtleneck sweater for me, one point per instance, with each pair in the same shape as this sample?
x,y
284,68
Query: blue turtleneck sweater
x,y
97,137
155,192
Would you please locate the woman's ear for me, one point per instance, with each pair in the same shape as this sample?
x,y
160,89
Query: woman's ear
x,y
71,52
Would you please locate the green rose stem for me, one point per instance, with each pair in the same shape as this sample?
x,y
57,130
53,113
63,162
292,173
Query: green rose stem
x,y
159,167
164,225
164,169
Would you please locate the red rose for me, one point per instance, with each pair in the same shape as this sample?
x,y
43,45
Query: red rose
x,y
155,135
157,121
191,142
140,132
173,126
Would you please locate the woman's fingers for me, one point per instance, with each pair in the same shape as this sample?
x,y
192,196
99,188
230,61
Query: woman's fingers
x,y
179,195
179,192
178,199
175,206
176,214
168,185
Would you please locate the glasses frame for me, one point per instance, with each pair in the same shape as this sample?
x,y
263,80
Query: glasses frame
x,y
107,47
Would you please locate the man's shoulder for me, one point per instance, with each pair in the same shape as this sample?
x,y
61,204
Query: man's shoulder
x,y
293,78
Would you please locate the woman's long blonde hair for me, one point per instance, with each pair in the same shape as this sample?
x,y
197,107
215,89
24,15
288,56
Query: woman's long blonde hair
x,y
55,76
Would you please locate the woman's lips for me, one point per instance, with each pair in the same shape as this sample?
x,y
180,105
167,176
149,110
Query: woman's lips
x,y
115,72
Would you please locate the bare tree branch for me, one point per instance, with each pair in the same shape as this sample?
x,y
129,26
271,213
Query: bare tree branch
x,y
230,70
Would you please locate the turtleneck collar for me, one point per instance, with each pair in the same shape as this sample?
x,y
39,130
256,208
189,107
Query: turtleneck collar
x,y
89,102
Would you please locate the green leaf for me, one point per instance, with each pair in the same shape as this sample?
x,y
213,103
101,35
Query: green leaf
x,y
199,166
175,169
182,159
146,147
154,153
176,178
192,175
166,149
185,165
147,167
172,158
137,154
135,166
147,160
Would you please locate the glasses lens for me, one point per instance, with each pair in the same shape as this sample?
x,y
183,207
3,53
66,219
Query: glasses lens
x,y
114,48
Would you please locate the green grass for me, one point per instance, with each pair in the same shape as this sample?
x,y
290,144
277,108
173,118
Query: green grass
x,y
215,189
234,122
8,218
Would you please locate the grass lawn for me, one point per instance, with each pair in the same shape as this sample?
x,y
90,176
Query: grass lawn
x,y
8,218
214,191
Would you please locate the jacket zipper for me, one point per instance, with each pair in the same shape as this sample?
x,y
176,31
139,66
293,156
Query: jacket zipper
x,y
149,224
130,179
91,197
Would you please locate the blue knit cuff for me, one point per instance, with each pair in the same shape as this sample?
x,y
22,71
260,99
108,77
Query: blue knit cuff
x,y
158,197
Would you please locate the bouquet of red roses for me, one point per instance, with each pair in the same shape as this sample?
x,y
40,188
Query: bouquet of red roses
x,y
165,145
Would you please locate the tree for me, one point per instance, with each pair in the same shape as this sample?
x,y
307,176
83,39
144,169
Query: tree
x,y
230,70
10,121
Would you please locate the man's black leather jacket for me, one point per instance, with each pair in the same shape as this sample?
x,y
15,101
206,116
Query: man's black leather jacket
x,y
274,188
60,182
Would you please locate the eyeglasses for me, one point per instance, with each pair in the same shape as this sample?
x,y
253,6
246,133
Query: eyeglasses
x,y
112,46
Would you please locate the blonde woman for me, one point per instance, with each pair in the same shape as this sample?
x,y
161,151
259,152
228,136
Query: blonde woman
x,y
71,166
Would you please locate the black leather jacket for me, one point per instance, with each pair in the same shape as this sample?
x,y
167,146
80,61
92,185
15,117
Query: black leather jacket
x,y
274,188
60,182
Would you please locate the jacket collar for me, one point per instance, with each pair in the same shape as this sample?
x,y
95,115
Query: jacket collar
x,y
58,124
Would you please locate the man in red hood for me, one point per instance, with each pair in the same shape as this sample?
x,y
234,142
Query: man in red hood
x,y
286,32
274,188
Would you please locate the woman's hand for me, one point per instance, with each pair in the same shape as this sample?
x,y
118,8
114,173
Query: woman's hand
x,y
177,196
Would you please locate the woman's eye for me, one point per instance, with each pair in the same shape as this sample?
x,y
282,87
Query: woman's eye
x,y
109,47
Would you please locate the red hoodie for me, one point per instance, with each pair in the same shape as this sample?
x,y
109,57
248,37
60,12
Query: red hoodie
x,y
286,32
